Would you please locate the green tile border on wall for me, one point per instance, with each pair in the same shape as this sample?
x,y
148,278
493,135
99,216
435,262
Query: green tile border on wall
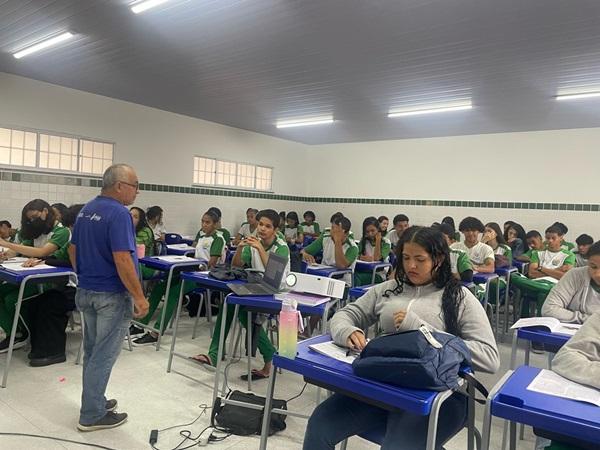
x,y
72,180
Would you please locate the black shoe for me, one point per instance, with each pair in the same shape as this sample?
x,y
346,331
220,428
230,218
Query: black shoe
x,y
111,405
47,361
20,341
537,347
134,330
110,420
146,339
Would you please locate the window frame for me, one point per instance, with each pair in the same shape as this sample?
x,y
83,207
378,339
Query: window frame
x,y
237,163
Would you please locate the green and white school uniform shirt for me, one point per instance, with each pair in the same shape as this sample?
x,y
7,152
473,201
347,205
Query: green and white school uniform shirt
x,y
211,245
567,245
58,236
369,248
478,254
547,259
293,232
325,243
393,237
459,261
311,229
245,230
146,237
251,256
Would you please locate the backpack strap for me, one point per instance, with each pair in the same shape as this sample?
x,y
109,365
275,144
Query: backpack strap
x,y
475,383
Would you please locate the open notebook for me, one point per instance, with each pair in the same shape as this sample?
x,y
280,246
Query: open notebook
x,y
554,325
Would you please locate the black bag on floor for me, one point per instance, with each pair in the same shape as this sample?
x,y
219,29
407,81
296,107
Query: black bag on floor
x,y
244,421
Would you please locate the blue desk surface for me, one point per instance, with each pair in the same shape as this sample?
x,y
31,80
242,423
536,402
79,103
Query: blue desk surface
x,y
271,304
519,264
504,271
325,271
480,277
14,277
543,336
359,291
322,369
158,264
367,266
180,251
206,281
560,415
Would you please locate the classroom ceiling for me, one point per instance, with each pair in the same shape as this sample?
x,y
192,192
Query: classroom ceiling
x,y
249,63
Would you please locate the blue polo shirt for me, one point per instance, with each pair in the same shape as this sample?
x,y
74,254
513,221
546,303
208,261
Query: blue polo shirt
x,y
103,226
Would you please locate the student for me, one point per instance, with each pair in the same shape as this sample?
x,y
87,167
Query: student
x,y
7,232
154,217
252,252
516,238
143,236
248,228
384,223
282,216
293,230
210,247
338,247
554,261
492,236
373,247
310,226
583,242
460,264
424,292
534,242
577,295
41,235
563,231
450,221
226,234
481,255
400,225
60,210
46,314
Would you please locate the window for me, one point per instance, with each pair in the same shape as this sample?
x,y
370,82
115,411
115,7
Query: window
x,y
54,152
216,172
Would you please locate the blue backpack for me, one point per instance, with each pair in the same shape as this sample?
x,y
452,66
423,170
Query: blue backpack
x,y
419,359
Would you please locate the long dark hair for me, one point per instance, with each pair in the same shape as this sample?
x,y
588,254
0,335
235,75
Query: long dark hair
x,y
293,215
435,245
368,221
142,223
499,236
520,233
29,229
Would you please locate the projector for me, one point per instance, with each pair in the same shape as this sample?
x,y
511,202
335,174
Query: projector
x,y
314,284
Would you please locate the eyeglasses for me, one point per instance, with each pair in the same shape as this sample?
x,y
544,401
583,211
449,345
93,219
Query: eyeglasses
x,y
136,186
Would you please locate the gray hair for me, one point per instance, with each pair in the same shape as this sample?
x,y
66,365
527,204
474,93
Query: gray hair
x,y
114,174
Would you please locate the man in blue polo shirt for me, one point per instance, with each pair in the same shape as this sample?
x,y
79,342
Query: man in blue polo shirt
x,y
109,292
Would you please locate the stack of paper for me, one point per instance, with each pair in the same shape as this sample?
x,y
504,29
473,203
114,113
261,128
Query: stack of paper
x,y
334,351
175,258
18,267
303,299
554,325
551,383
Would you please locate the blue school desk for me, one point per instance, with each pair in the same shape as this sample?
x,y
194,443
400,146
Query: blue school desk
x,y
506,273
22,279
329,271
337,376
552,341
177,250
358,291
510,400
171,267
522,266
373,267
486,279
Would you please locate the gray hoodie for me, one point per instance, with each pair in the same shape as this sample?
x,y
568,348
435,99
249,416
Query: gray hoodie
x,y
568,300
424,306
579,359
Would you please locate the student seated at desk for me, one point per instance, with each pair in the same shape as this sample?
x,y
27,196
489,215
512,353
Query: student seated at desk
x,y
424,292
338,247
248,228
373,247
154,217
210,247
450,221
293,232
481,255
310,226
493,237
7,232
534,242
563,230
460,264
384,223
516,238
60,210
252,252
226,234
143,236
584,243
41,235
400,225
577,295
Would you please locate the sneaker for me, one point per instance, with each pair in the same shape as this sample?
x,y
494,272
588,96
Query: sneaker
x,y
111,405
110,420
146,339
537,348
134,330
20,341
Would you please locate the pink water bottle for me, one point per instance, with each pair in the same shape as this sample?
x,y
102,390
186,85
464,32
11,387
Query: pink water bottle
x,y
288,329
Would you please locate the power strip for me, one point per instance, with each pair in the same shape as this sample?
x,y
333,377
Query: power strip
x,y
203,441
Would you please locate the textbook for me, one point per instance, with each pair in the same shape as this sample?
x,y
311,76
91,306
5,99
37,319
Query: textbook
x,y
303,299
174,258
554,325
551,383
334,351
180,247
317,266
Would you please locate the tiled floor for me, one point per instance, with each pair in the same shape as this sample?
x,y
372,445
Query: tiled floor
x,y
45,400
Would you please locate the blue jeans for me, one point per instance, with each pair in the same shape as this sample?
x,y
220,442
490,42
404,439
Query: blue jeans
x,y
340,417
106,316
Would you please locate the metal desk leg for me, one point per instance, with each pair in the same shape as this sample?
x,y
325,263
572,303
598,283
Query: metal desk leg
x,y
164,308
513,353
14,330
175,328
487,416
264,435
249,349
433,418
220,352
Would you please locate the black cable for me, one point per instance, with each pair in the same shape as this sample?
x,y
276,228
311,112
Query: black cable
x,y
204,408
296,396
39,436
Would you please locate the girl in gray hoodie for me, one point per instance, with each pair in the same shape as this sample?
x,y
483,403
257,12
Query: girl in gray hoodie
x,y
424,292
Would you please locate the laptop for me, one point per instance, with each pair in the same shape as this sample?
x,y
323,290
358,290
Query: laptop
x,y
271,281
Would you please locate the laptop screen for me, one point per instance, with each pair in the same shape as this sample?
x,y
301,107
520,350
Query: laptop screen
x,y
275,270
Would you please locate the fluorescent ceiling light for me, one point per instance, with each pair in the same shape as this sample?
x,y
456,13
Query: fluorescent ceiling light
x,y
429,109
44,44
578,96
304,122
147,4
